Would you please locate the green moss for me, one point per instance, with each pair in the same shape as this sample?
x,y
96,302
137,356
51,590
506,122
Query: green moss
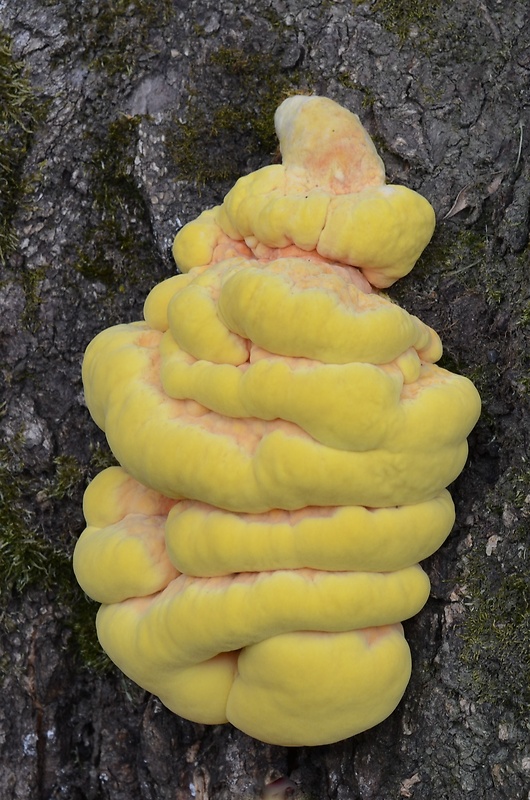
x,y
113,251
497,639
24,555
20,114
31,281
464,253
68,476
263,85
457,254
401,15
368,96
524,317
84,643
273,18
467,255
30,559
203,147
114,39
101,458
112,166
496,630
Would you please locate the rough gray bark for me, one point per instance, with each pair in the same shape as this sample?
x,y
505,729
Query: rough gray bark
x,y
136,117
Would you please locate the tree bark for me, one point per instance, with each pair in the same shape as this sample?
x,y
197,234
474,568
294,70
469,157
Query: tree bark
x,y
122,121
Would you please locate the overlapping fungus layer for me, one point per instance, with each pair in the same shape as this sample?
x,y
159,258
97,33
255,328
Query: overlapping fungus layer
x,y
285,440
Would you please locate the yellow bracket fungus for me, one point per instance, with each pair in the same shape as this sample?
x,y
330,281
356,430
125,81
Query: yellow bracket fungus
x,y
285,441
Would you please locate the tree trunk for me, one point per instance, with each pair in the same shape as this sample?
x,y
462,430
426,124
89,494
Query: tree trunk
x,y
121,121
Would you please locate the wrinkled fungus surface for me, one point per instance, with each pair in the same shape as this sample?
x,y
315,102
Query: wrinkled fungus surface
x,y
285,440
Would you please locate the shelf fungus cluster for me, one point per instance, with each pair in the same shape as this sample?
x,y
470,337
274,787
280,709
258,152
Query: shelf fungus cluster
x,y
285,440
